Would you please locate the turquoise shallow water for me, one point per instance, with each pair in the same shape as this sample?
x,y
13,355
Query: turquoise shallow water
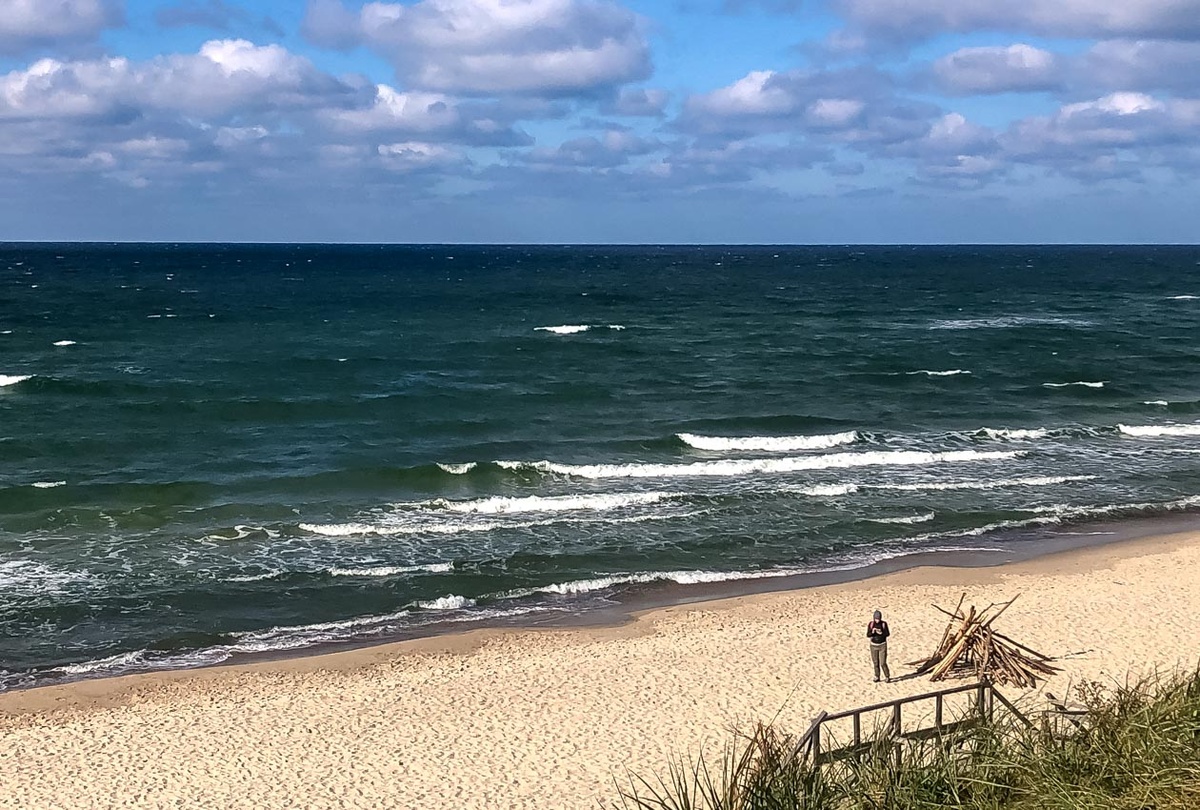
x,y
209,450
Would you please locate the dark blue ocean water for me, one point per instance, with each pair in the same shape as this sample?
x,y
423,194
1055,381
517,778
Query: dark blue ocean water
x,y
207,450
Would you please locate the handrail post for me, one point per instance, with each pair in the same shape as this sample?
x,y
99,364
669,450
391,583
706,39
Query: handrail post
x,y
937,712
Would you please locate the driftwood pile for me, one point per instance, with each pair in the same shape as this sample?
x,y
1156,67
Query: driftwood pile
x,y
971,646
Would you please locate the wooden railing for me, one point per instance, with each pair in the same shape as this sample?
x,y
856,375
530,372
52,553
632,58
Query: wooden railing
x,y
982,710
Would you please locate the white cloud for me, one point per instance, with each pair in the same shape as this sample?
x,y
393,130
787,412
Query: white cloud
x,y
917,19
26,24
637,102
1015,68
1140,65
541,47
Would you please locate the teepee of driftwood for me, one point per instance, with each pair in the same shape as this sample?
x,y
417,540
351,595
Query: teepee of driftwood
x,y
972,646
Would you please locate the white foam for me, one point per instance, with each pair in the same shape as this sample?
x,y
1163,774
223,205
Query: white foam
x,y
458,469
1014,433
560,503
1159,430
829,490
1008,322
49,484
569,329
616,327
448,602
338,529
386,529
1161,402
682,577
923,518
741,467
392,570
951,373
254,577
1084,383
1184,297
28,576
114,662
1037,481
13,379
779,444
64,343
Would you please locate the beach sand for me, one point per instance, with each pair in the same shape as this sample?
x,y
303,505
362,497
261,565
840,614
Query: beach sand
x,y
550,718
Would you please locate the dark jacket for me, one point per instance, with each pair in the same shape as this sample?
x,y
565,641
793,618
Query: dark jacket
x,y
878,631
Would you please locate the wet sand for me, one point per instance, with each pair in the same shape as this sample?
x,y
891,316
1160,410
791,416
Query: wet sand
x,y
550,718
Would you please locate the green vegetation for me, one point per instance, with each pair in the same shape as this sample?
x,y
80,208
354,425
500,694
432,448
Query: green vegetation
x,y
1138,748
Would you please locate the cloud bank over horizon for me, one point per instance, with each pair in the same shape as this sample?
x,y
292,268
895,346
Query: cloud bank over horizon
x,y
600,120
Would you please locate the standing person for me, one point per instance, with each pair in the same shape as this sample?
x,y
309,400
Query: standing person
x,y
878,632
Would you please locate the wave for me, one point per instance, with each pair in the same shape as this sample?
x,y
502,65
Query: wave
x,y
64,343
1014,433
575,329
1159,430
1009,322
392,570
922,518
13,379
48,484
1036,481
741,467
457,469
30,577
582,586
1161,402
951,373
829,490
1084,383
448,602
769,443
1183,297
558,503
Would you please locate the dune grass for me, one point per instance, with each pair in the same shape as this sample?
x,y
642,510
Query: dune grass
x,y
1138,748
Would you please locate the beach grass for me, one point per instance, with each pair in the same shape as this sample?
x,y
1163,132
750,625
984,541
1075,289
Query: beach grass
x,y
1136,748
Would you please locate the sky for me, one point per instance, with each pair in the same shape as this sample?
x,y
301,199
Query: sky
x,y
601,121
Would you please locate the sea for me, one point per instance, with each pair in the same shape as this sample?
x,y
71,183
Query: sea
x,y
209,451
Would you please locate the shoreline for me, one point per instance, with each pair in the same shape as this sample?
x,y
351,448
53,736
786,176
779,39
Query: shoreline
x,y
507,718
631,602
638,615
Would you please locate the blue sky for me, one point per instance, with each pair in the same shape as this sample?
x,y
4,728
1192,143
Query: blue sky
x,y
784,121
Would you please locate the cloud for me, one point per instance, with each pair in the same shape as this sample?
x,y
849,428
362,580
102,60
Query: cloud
x,y
637,102
1118,135
1016,68
480,47
30,24
613,148
420,113
1140,65
856,105
1102,19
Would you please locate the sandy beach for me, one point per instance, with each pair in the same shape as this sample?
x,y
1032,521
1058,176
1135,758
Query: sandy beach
x,y
550,718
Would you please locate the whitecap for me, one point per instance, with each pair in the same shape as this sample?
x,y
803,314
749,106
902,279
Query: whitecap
x,y
951,373
64,343
13,379
1008,322
741,467
457,469
1084,383
1159,430
781,444
447,602
559,503
1184,297
112,663
1014,433
829,490
49,484
1161,402
616,327
568,329
922,518
996,483
392,570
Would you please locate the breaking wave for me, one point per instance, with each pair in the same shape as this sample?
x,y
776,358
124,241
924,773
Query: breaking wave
x,y
1084,383
1160,430
13,379
780,444
741,467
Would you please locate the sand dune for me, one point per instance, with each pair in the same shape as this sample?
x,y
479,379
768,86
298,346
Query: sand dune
x,y
549,719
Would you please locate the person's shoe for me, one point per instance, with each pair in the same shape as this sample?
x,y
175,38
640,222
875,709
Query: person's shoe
x,y
876,680
889,680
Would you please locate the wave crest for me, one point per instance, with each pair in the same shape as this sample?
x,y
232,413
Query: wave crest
x,y
769,443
